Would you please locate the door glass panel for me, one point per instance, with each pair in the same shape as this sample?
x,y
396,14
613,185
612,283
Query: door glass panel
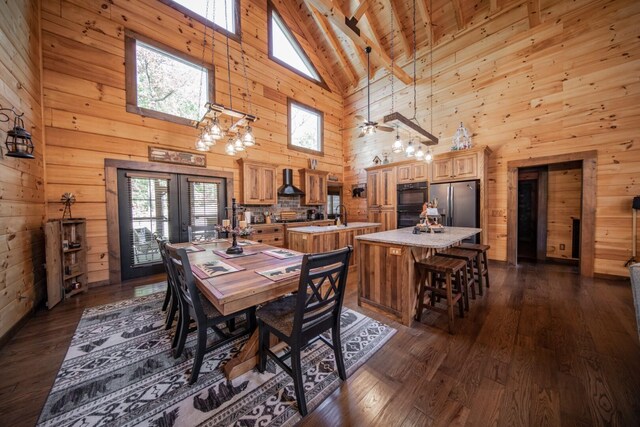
x,y
204,203
149,203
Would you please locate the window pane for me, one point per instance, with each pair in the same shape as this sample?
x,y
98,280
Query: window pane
x,y
286,50
204,207
149,200
169,84
206,9
305,128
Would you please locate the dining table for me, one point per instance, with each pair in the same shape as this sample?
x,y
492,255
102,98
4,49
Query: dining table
x,y
246,287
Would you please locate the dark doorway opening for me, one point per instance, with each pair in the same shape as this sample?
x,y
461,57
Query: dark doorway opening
x,y
532,213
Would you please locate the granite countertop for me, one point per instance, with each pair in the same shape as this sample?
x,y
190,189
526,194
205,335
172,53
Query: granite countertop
x,y
313,229
405,237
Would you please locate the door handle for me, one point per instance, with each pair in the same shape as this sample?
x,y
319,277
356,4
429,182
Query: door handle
x,y
185,227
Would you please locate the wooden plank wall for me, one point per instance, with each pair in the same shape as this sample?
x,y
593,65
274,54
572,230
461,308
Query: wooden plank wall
x,y
571,83
84,100
563,205
21,181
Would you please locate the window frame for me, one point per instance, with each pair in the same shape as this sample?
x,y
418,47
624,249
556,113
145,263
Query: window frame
x,y
320,82
291,102
131,80
236,35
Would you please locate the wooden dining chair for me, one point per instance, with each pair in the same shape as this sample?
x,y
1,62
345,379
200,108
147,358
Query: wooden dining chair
x,y
195,306
171,299
300,319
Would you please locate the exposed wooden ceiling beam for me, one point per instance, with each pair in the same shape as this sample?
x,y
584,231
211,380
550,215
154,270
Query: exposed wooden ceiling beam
x,y
493,6
338,19
361,9
533,6
457,9
397,22
325,27
425,13
296,14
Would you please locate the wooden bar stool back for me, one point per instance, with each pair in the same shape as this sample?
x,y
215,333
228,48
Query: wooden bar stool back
x,y
482,263
426,271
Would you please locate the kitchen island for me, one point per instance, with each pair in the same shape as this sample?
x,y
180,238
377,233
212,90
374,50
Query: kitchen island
x,y
386,279
315,239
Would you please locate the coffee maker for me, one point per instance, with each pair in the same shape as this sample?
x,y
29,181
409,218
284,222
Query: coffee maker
x,y
311,214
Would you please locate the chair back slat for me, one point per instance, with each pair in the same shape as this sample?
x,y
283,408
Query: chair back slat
x,y
202,233
185,282
323,280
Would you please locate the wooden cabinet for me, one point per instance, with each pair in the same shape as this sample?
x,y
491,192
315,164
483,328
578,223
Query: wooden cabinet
x,y
412,172
314,185
381,188
66,252
269,234
456,165
387,217
373,183
258,181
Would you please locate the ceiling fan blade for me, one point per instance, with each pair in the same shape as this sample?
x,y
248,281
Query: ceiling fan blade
x,y
361,133
359,118
385,128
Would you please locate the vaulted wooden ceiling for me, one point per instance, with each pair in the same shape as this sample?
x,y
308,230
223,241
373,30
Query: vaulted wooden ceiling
x,y
323,24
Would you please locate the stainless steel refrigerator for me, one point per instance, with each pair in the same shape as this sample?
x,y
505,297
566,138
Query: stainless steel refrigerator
x,y
458,204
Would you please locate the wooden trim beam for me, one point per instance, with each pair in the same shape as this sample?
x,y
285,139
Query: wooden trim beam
x,y
533,7
325,27
339,20
457,9
425,14
493,6
397,22
361,9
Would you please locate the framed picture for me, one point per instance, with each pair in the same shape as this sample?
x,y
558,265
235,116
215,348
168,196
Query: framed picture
x,y
166,155
359,190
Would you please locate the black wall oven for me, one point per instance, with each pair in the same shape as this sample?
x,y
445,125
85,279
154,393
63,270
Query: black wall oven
x,y
411,198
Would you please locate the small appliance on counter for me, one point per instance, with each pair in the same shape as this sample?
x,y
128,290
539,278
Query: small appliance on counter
x,y
318,216
311,214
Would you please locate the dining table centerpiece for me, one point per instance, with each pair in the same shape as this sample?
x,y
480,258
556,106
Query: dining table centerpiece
x,y
235,228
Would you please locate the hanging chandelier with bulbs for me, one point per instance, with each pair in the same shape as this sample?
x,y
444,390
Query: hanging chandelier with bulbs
x,y
240,134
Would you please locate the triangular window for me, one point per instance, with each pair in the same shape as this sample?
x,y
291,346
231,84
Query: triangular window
x,y
284,48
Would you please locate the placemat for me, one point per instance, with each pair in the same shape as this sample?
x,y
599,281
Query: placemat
x,y
281,273
193,248
214,268
246,242
224,254
282,253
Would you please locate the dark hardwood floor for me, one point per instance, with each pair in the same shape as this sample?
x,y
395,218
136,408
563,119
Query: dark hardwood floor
x,y
542,347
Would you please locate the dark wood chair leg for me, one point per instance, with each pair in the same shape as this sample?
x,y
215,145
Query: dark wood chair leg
x,y
200,350
167,297
171,315
449,284
479,271
470,276
296,368
182,333
337,349
486,267
263,344
461,288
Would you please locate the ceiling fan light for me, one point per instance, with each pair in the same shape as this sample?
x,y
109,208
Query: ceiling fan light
x,y
428,157
248,139
419,153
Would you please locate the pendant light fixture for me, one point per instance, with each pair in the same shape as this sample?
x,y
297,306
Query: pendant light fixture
x,y
397,146
419,153
18,140
410,151
211,129
428,157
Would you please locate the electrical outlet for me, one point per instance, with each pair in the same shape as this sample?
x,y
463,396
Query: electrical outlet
x,y
395,251
562,246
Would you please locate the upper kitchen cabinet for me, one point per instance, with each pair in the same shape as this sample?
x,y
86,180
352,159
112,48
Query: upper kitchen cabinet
x,y
314,185
258,181
412,172
459,165
381,187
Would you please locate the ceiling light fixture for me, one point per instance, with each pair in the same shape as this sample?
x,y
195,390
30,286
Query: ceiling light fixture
x,y
411,150
428,157
397,146
419,153
18,142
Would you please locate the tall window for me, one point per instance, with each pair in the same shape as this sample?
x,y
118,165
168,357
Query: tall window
x,y
163,83
305,128
285,49
223,15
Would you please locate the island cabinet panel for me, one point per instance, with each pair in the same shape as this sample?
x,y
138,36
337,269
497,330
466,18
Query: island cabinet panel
x,y
328,241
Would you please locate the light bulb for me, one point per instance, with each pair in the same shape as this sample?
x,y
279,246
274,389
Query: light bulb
x,y
214,130
410,151
420,153
397,146
369,130
238,145
207,139
201,145
230,148
248,139
428,157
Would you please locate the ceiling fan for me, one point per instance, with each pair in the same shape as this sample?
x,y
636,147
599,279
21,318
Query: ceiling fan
x,y
368,127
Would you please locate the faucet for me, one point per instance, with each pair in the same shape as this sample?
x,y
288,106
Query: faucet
x,y
342,207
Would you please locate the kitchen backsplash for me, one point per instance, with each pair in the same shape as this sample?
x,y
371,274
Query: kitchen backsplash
x,y
286,203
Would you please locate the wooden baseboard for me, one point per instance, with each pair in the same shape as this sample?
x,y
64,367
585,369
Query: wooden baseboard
x,y
566,261
15,328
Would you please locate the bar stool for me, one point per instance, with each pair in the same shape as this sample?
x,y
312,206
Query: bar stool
x,y
470,258
481,271
426,271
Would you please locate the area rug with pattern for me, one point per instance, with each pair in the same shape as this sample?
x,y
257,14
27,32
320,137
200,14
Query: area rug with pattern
x,y
119,371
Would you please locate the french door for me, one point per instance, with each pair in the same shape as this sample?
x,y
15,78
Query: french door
x,y
162,204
